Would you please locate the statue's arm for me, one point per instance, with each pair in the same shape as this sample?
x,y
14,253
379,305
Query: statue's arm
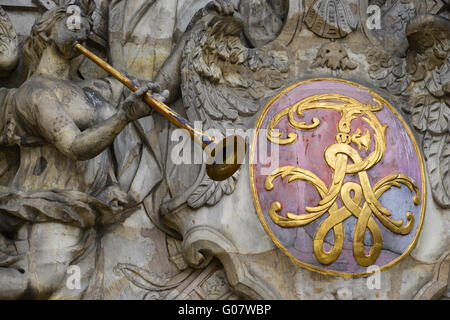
x,y
57,127
169,76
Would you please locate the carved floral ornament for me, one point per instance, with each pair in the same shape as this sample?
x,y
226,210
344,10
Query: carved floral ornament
x,y
354,196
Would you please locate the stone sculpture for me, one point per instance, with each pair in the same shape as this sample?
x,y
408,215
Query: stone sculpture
x,y
137,224
64,183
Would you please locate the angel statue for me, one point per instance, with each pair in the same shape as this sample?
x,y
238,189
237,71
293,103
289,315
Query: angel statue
x,y
58,185
222,73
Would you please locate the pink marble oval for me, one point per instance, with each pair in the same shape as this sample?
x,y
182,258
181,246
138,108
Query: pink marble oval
x,y
401,157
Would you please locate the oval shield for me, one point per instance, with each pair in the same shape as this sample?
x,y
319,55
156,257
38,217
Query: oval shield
x,y
337,178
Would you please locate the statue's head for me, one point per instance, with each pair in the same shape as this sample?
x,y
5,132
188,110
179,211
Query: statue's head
x,y
61,27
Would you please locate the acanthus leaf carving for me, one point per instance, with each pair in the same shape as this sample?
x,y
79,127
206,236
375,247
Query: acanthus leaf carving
x,y
387,71
420,113
437,152
439,77
438,117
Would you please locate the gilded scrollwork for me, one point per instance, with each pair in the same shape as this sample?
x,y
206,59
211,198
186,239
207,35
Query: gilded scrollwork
x,y
337,157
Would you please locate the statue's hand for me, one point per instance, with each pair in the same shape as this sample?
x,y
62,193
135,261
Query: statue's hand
x,y
134,105
224,7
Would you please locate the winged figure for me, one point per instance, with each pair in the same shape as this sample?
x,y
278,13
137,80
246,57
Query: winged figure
x,y
9,53
222,83
429,67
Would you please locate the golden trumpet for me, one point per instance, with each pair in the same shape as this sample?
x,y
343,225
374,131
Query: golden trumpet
x,y
226,156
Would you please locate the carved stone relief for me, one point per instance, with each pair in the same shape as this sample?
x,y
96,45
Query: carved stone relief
x,y
333,56
140,226
8,44
331,19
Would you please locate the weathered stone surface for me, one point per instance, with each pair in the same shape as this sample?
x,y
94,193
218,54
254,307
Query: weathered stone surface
x,y
140,226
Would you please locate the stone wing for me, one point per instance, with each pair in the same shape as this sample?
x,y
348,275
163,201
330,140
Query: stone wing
x,y
215,80
429,66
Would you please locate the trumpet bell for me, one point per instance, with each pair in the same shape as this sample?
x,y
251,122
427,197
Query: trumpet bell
x,y
226,157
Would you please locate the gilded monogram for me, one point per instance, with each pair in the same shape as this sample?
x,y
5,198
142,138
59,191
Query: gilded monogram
x,y
337,157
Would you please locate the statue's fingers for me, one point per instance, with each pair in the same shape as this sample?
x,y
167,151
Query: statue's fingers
x,y
154,87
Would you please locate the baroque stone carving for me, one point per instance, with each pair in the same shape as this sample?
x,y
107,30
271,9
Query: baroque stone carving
x,y
437,287
334,56
140,226
221,82
9,55
263,20
428,62
332,19
64,182
424,63
207,284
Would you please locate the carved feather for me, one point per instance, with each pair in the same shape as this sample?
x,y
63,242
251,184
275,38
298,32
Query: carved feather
x,y
437,153
210,192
